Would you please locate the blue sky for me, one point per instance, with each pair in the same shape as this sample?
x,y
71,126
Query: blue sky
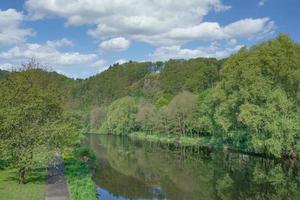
x,y
80,38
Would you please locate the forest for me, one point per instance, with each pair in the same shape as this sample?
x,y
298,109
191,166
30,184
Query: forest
x,y
249,101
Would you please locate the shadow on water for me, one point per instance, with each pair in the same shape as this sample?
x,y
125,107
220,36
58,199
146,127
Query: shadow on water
x,y
127,169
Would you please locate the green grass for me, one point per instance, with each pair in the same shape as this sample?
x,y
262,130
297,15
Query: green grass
x,y
81,185
34,189
171,139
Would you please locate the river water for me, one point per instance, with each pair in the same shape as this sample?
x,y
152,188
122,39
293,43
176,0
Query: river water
x,y
128,169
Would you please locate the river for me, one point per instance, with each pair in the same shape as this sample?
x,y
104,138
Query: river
x,y
128,169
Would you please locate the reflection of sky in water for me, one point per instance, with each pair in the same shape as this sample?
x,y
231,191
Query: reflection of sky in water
x,y
127,169
106,195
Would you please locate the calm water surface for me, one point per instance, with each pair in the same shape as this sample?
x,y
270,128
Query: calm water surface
x,y
127,169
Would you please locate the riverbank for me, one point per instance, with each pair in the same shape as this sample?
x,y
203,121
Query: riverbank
x,y
172,139
203,141
78,174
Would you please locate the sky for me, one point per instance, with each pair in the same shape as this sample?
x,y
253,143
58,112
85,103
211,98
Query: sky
x,y
79,38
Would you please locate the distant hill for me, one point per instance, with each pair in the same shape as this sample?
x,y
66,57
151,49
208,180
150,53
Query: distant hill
x,y
149,79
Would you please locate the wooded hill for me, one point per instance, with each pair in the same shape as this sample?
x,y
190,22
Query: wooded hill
x,y
250,100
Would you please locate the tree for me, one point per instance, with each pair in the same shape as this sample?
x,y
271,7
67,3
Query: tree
x,y
181,113
120,117
31,121
257,99
146,116
97,117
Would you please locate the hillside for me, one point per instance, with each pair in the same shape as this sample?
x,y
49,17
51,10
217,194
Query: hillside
x,y
148,79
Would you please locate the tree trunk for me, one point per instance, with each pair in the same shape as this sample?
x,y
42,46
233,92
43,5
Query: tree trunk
x,y
22,175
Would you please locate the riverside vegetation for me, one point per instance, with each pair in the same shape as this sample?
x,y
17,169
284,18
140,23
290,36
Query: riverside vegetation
x,y
249,101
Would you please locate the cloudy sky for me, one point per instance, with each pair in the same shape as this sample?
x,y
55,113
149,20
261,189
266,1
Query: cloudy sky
x,y
80,38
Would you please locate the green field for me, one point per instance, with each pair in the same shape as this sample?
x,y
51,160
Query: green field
x,y
34,189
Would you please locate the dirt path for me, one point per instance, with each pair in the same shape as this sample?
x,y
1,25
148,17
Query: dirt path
x,y
57,187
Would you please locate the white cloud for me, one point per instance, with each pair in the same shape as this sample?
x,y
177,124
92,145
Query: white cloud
x,y
142,20
99,63
46,54
72,64
213,31
138,13
115,44
249,27
11,31
59,43
157,22
49,55
177,52
165,24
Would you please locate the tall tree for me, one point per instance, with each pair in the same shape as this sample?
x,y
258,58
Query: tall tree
x,y
120,117
257,99
31,121
181,113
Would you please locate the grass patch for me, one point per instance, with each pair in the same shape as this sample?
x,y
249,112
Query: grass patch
x,y
79,179
171,139
34,189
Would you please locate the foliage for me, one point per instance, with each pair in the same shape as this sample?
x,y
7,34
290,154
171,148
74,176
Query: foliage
x,y
3,74
84,152
258,95
31,120
121,116
110,85
97,117
251,102
146,117
194,75
79,179
180,113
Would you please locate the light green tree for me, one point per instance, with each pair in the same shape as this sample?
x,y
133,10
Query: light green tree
x,y
120,117
181,113
31,121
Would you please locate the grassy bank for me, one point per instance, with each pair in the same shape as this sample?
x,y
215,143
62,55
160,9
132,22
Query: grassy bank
x,y
78,174
34,189
171,139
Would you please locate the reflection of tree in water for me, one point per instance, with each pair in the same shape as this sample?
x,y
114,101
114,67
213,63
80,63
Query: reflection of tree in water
x,y
134,169
256,178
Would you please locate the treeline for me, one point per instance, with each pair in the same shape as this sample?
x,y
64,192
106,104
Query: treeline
x,y
250,101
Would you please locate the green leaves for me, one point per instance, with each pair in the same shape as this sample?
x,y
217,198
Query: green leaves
x,y
31,119
258,94
120,116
